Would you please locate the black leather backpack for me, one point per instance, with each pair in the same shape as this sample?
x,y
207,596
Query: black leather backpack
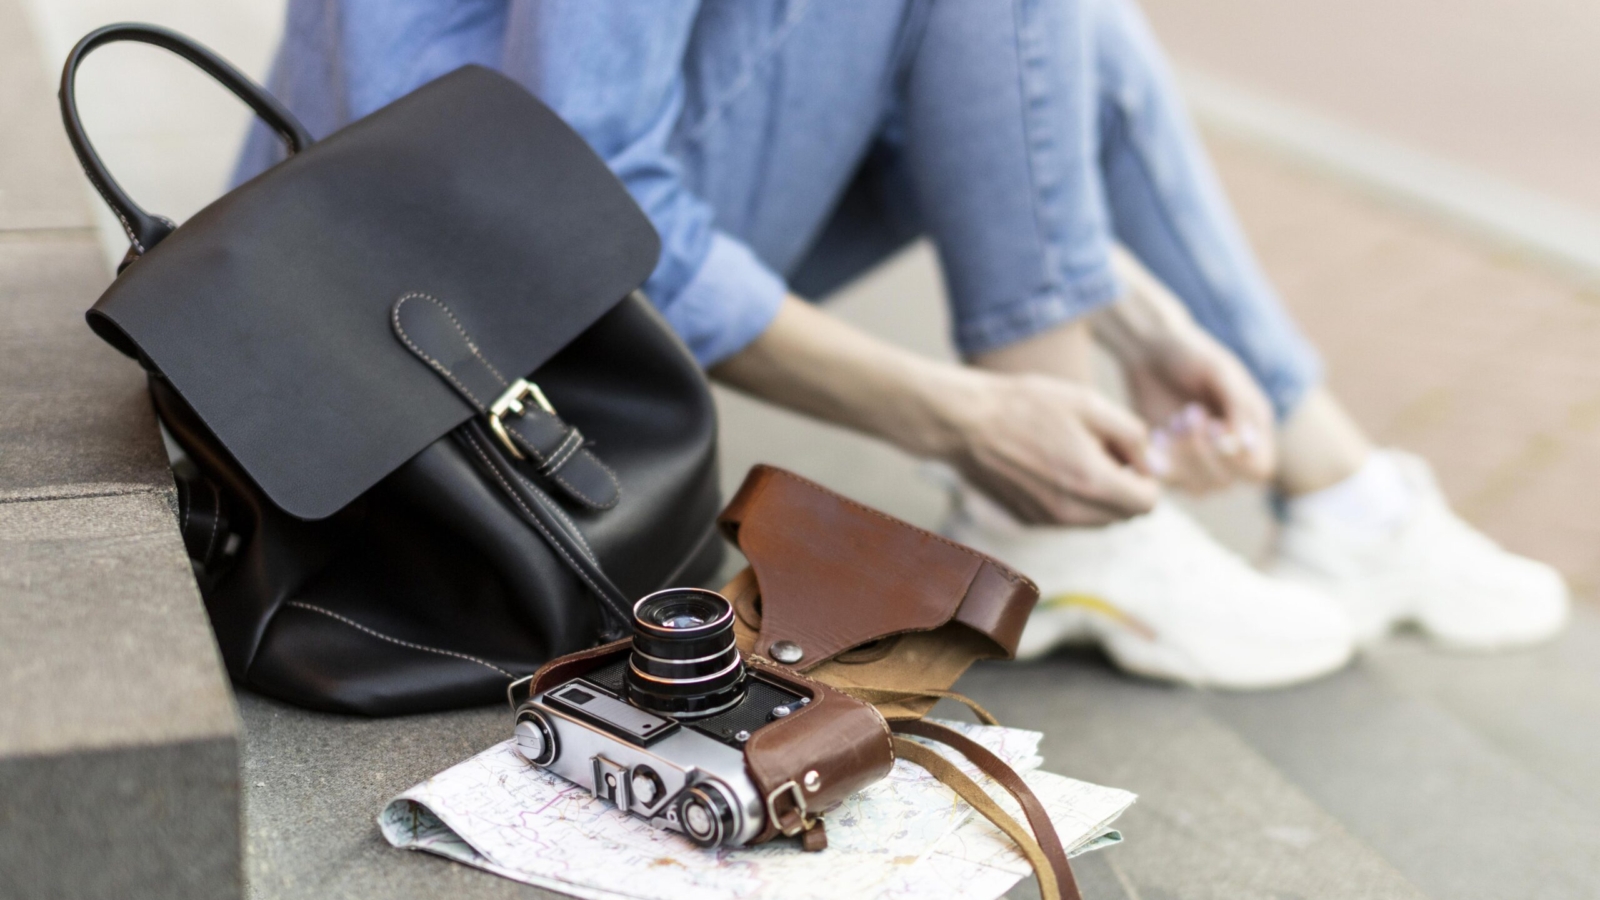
x,y
435,436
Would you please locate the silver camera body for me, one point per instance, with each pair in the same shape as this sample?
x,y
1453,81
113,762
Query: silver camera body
x,y
682,767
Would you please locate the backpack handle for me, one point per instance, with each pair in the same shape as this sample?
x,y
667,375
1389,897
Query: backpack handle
x,y
145,230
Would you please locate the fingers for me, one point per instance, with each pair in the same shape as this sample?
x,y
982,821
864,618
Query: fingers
x,y
1256,458
1246,437
1056,452
1199,453
1119,489
1124,483
1197,463
1123,433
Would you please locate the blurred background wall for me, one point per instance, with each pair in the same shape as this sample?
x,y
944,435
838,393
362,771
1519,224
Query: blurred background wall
x,y
1508,87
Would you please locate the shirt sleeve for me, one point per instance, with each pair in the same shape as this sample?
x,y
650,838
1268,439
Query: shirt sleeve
x,y
616,76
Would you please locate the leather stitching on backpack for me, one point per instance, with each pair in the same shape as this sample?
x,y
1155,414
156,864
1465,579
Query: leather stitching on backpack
x,y
527,445
436,365
572,488
394,640
531,518
126,226
539,496
615,484
460,329
564,450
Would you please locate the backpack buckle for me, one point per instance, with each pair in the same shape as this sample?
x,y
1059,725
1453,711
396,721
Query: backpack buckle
x,y
515,402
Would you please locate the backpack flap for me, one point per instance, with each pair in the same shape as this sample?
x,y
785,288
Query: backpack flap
x,y
272,310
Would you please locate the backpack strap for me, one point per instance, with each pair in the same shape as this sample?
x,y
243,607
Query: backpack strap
x,y
518,413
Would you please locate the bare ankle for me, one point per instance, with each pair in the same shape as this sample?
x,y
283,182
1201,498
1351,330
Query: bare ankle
x,y
1319,445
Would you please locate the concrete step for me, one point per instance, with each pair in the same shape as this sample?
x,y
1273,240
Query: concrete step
x,y
1215,817
1540,708
118,738
314,785
118,745
1453,812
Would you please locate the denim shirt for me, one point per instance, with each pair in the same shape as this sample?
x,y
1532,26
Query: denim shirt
x,y
612,69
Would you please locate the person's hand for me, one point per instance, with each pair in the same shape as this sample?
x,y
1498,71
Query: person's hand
x,y
1211,424
1049,450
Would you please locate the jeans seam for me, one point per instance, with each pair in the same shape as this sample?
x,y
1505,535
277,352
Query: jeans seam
x,y
1212,301
1040,232
1222,313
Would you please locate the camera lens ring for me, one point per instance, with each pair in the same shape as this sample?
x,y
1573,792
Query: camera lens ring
x,y
685,660
723,616
709,657
721,673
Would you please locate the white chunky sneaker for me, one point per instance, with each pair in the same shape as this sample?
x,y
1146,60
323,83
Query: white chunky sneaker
x,y
1162,597
1435,572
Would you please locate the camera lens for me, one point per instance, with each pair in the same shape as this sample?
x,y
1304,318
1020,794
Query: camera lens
x,y
684,661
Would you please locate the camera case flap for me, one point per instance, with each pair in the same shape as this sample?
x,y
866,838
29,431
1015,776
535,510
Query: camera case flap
x,y
861,600
802,764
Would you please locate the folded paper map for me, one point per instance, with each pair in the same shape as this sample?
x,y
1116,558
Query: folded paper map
x,y
906,836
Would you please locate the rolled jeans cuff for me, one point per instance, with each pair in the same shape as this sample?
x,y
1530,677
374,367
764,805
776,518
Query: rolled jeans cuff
x,y
1286,381
993,328
728,303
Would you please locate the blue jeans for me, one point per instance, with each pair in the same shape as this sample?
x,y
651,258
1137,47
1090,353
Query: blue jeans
x,y
1019,139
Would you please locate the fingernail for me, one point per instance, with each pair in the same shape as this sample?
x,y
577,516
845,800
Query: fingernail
x,y
1194,415
1248,436
1158,460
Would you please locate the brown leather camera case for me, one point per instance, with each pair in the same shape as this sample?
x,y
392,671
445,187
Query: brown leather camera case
x,y
859,599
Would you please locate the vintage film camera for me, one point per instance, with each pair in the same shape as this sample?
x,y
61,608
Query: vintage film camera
x,y
661,731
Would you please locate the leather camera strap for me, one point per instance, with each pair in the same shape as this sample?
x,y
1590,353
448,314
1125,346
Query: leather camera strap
x,y
879,696
946,771
1051,858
